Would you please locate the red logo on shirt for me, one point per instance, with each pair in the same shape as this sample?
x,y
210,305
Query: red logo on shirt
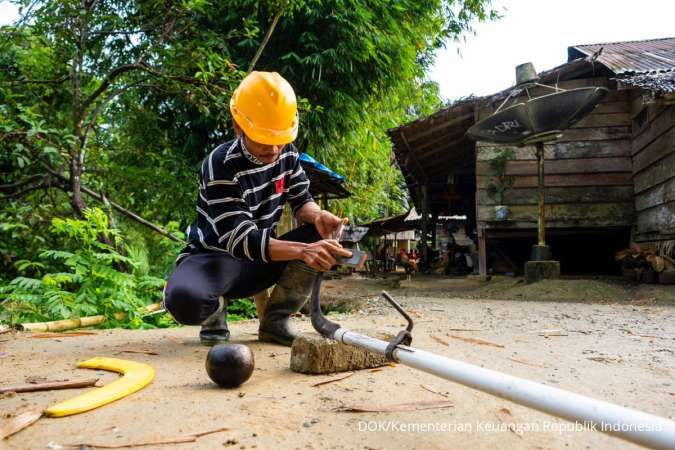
x,y
279,185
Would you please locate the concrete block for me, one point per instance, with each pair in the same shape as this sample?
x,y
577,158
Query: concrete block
x,y
541,270
314,354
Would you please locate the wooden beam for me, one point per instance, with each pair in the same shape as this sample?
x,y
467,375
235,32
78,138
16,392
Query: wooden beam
x,y
424,194
446,147
413,158
443,126
431,143
482,253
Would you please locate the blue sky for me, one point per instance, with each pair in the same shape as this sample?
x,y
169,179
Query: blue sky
x,y
537,31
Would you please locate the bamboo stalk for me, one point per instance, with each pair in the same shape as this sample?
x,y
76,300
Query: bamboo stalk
x,y
89,321
61,325
50,386
265,40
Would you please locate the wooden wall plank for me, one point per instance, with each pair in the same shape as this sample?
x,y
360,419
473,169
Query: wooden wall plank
x,y
605,107
636,102
562,166
660,219
603,120
655,151
655,174
567,226
596,134
564,150
617,213
659,126
656,195
559,195
584,179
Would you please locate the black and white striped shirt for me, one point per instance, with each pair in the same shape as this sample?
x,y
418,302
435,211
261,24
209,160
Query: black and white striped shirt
x,y
241,200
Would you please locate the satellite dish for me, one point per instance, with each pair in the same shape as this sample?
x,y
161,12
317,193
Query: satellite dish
x,y
538,119
535,121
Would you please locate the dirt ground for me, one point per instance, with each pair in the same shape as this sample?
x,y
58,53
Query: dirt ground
x,y
599,338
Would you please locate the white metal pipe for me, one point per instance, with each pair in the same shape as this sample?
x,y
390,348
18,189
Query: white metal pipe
x,y
632,425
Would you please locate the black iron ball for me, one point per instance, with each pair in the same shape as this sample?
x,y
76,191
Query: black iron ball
x,y
229,365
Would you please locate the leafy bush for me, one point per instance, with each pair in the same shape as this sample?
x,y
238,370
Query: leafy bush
x,y
92,277
241,309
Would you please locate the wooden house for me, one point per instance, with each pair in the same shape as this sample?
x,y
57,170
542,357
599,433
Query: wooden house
x,y
610,180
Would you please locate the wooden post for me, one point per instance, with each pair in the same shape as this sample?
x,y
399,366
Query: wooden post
x,y
425,224
482,253
324,201
540,175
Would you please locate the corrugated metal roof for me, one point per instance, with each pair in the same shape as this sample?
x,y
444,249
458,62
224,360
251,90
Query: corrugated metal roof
x,y
663,82
653,55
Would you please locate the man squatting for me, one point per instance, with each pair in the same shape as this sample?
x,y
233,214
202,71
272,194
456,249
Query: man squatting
x,y
233,251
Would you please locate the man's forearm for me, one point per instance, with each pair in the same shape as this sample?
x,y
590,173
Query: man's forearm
x,y
285,250
308,212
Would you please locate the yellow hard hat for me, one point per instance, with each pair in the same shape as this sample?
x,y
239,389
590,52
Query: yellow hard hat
x,y
265,108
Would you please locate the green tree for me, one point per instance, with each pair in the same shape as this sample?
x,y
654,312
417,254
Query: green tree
x,y
127,96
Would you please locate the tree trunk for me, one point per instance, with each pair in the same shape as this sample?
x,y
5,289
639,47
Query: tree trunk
x,y
76,200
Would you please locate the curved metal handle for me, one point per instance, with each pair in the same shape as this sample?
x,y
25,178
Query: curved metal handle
x,y
324,326
398,308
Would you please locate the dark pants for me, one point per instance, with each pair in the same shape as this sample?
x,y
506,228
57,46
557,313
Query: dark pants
x,y
192,291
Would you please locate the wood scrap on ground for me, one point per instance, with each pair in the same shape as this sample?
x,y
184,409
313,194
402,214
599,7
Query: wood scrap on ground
x,y
439,340
527,363
504,415
142,352
605,359
50,386
17,423
60,335
466,329
475,341
427,388
334,379
398,407
416,313
191,437
625,330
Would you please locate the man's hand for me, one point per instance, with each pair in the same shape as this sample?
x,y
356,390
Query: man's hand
x,y
326,224
320,255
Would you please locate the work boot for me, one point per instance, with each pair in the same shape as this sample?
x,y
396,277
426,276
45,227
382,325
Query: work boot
x,y
291,292
214,328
